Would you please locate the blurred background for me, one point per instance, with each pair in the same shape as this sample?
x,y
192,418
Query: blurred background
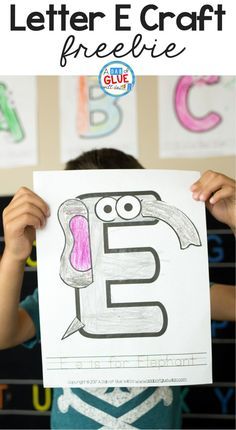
x,y
174,122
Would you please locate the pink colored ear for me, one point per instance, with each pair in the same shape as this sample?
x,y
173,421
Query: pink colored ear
x,y
80,258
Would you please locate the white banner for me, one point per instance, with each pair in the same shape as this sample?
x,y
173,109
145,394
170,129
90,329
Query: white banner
x,y
71,38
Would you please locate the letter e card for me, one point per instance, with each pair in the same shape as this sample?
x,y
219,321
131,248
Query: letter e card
x,y
123,279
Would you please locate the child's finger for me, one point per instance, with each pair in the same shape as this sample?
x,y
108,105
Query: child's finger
x,y
25,208
202,181
223,193
204,193
27,196
210,183
27,202
17,225
22,191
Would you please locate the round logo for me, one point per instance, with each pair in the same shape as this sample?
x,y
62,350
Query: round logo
x,y
116,79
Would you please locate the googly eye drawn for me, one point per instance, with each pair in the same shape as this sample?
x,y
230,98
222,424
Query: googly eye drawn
x,y
128,207
105,209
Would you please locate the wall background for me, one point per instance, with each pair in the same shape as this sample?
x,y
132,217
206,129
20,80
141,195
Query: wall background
x,y
48,137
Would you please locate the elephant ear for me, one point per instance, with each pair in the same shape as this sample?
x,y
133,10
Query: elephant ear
x,y
76,263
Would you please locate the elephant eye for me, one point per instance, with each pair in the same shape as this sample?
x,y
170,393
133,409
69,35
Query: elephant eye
x,y
128,207
105,209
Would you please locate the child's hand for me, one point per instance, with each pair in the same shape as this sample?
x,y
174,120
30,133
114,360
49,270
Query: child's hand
x,y
25,213
218,191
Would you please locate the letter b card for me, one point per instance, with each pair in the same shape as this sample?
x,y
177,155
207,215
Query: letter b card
x,y
123,279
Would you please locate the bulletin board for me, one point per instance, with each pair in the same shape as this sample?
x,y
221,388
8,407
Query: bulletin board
x,y
24,403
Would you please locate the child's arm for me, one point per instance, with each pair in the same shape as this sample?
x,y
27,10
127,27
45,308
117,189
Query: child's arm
x,y
223,302
219,193
25,213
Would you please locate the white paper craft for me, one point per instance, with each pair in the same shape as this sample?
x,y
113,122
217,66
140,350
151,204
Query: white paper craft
x,y
197,116
123,279
90,119
18,121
